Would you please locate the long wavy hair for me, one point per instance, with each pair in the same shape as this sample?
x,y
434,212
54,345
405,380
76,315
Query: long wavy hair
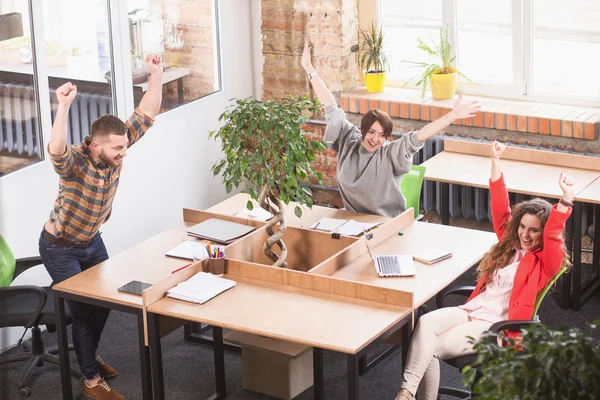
x,y
502,252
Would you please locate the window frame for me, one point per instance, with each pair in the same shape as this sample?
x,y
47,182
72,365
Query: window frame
x,y
522,40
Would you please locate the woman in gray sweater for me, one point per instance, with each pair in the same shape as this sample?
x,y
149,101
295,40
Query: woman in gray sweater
x,y
369,167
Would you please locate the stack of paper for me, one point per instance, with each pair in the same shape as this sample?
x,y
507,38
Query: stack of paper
x,y
185,249
219,230
200,288
257,213
328,224
344,227
432,256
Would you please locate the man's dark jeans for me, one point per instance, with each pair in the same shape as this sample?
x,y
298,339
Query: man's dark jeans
x,y
62,262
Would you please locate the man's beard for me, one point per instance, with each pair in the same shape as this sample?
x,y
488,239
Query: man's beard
x,y
108,161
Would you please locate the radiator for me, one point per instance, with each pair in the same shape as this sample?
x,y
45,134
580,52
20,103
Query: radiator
x,y
18,123
19,129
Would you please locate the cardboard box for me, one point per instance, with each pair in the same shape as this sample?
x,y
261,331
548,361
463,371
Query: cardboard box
x,y
274,367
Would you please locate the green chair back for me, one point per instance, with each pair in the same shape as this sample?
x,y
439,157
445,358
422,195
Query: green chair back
x,y
542,294
411,185
8,264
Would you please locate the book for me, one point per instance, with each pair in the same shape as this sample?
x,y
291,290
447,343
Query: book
x,y
432,256
185,250
200,288
219,230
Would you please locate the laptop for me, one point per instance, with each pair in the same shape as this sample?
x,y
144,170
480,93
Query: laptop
x,y
393,265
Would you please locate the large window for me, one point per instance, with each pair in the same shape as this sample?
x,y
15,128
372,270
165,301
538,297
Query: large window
x,y
184,32
100,46
20,135
541,50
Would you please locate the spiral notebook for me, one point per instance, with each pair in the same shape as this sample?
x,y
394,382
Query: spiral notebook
x,y
219,230
200,288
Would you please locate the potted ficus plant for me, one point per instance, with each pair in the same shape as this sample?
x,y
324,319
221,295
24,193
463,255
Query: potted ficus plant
x,y
373,61
266,150
439,72
548,364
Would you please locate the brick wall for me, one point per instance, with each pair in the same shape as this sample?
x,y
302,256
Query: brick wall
x,y
332,26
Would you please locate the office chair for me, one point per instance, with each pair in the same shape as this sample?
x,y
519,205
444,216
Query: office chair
x,y
411,185
27,306
463,361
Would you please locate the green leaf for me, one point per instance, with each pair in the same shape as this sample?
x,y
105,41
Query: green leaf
x,y
298,211
250,205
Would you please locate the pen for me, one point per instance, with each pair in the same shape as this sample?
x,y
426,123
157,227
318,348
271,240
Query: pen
x,y
179,269
317,225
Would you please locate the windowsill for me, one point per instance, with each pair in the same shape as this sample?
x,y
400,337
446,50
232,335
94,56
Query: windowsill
x,y
496,113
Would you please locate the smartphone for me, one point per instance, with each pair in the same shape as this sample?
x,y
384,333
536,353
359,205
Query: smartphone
x,y
134,287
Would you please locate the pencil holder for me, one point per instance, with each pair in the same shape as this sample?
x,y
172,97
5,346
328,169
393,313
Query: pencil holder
x,y
217,265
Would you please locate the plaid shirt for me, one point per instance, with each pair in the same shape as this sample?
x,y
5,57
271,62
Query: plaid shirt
x,y
87,187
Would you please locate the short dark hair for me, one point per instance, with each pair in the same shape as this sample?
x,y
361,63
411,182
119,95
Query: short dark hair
x,y
376,115
107,125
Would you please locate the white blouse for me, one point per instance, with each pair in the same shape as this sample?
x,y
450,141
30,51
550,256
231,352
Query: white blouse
x,y
492,304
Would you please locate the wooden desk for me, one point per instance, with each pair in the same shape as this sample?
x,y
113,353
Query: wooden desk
x,y
318,318
526,171
98,285
467,247
583,291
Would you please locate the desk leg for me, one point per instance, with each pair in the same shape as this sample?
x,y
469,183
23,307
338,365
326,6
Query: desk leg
x,y
318,373
445,203
576,291
156,357
146,371
406,336
352,376
180,90
63,347
219,362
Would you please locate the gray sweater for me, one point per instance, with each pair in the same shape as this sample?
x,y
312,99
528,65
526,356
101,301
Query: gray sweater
x,y
369,182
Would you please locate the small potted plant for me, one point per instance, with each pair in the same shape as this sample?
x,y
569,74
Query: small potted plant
x,y
439,73
267,151
374,61
547,364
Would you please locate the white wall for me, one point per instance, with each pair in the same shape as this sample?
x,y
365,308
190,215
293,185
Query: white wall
x,y
167,170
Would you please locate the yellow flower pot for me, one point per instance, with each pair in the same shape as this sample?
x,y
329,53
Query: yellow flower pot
x,y
443,86
375,81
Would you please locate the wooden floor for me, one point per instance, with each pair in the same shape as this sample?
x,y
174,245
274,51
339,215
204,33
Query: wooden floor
x,y
9,164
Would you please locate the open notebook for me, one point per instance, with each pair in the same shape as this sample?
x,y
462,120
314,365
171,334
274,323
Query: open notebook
x,y
200,288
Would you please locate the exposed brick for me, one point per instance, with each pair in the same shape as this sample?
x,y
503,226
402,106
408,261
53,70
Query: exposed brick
x,y
364,106
578,130
589,130
511,122
488,120
414,111
500,121
425,113
404,110
555,127
373,104
394,109
521,123
384,105
544,126
567,128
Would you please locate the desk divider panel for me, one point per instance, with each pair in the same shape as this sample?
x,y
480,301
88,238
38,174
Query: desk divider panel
x,y
159,290
526,155
307,248
351,253
197,216
319,283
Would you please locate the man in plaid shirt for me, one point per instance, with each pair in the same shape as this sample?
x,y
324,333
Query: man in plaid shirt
x,y
70,241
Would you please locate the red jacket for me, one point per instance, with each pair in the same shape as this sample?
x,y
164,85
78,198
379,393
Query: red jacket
x,y
537,268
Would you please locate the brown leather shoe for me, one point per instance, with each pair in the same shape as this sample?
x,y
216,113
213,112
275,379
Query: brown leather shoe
x,y
101,392
106,371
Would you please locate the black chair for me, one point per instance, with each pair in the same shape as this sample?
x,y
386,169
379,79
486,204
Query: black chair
x,y
29,307
515,325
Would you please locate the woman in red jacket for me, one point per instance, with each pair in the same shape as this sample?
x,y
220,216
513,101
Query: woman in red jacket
x,y
528,255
